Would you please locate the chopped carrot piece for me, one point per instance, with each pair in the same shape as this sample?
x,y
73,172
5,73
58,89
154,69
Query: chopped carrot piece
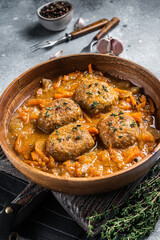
x,y
87,118
141,106
58,83
40,149
24,116
65,78
132,153
35,156
93,131
34,102
34,115
137,116
147,136
31,163
116,156
90,68
133,101
143,99
122,93
64,94
98,115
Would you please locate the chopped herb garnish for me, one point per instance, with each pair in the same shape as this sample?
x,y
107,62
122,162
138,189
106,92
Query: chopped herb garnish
x,y
57,132
89,85
68,137
85,85
145,120
113,114
57,106
49,108
99,92
120,136
75,127
121,128
78,125
74,119
133,124
89,93
121,122
59,139
64,103
113,129
120,117
78,137
121,112
47,114
109,123
57,126
69,108
105,88
94,104
96,84
52,142
68,155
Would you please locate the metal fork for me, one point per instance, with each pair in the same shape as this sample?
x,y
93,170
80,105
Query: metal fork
x,y
48,43
110,24
69,36
89,47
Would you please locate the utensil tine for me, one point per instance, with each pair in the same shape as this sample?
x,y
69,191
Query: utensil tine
x,y
38,46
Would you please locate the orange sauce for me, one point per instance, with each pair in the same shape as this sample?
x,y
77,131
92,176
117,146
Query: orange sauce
x,y
29,142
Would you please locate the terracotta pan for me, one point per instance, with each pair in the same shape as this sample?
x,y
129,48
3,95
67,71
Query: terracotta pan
x,y
22,87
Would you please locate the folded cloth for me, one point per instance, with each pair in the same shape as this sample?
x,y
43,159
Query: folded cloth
x,y
79,207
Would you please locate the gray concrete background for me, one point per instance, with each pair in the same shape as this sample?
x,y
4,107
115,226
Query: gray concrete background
x,y
19,29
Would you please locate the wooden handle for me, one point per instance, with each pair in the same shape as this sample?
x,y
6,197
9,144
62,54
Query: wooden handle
x,y
89,28
114,21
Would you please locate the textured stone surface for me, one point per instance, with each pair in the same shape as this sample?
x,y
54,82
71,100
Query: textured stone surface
x,y
19,29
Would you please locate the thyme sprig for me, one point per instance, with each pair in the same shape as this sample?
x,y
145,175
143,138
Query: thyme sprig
x,y
136,217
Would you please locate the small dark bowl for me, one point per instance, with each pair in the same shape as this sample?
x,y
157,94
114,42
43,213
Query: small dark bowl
x,y
55,24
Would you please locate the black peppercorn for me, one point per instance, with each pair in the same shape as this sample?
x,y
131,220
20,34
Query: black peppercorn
x,y
56,9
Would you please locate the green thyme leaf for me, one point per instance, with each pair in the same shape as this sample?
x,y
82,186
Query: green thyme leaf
x,y
105,88
78,137
133,124
113,129
113,114
120,117
121,112
47,114
89,93
94,104
109,123
68,137
59,139
49,108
